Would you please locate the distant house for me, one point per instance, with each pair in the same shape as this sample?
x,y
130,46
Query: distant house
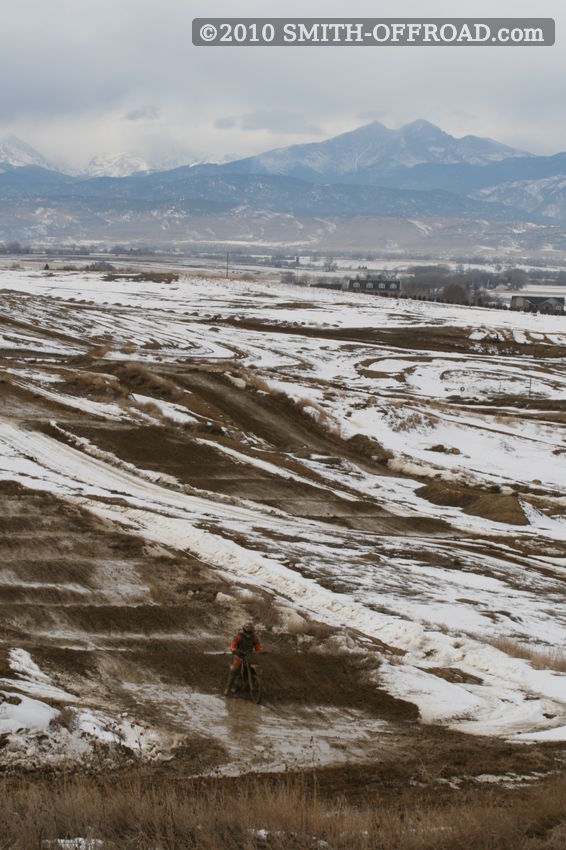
x,y
327,285
538,304
375,286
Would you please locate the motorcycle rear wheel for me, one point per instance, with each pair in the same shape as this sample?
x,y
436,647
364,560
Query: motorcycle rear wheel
x,y
254,684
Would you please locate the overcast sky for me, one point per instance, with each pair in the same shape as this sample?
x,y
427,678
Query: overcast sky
x,y
86,77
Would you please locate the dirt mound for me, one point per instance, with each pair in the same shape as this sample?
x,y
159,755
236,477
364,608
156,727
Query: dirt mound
x,y
368,448
501,508
496,506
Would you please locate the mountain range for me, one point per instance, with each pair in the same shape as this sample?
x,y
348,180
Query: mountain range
x,y
18,154
417,171
373,151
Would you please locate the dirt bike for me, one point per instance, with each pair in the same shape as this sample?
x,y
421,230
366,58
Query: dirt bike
x,y
249,680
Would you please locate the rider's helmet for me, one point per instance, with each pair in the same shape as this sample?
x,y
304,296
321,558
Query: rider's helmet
x,y
248,628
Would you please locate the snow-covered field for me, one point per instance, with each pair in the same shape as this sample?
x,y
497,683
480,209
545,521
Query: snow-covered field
x,y
441,533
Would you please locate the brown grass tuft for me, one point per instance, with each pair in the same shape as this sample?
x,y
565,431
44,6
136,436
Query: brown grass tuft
x,y
150,408
65,719
98,351
311,408
139,378
93,383
541,659
253,380
404,419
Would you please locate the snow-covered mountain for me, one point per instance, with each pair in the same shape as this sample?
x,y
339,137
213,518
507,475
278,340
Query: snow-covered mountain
x,y
116,165
17,154
127,164
545,197
374,150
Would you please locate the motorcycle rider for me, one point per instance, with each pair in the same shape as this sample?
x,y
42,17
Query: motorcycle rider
x,y
245,642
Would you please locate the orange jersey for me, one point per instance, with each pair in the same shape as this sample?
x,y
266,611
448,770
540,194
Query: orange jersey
x,y
245,643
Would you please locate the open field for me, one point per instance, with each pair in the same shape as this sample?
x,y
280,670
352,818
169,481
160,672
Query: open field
x,y
379,485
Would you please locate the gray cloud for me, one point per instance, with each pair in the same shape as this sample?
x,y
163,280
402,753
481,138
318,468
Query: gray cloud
x,y
279,121
226,123
272,121
147,113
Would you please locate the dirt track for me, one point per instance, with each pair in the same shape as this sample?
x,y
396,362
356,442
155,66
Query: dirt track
x,y
139,630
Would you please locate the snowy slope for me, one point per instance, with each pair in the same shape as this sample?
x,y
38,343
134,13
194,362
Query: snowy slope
x,y
15,153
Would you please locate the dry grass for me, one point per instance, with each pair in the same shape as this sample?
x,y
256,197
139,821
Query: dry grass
x,y
65,719
151,409
311,408
286,814
262,612
253,380
93,383
403,419
98,352
541,659
137,377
